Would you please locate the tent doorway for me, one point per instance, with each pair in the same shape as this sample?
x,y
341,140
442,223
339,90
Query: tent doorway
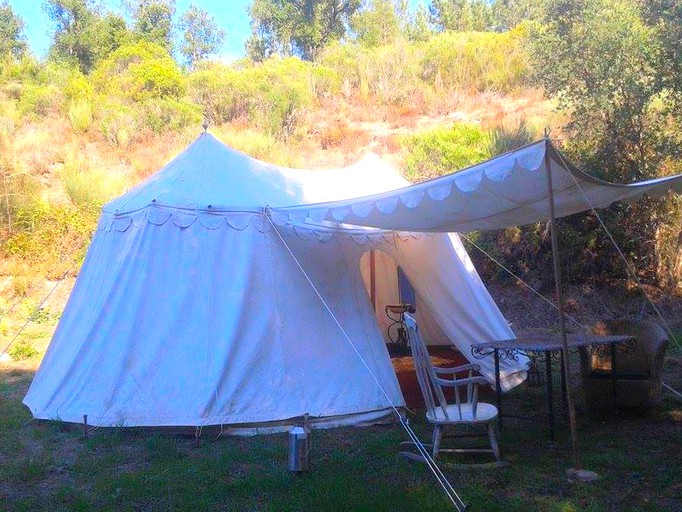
x,y
386,283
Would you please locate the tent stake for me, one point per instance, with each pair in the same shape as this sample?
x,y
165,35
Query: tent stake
x,y
577,473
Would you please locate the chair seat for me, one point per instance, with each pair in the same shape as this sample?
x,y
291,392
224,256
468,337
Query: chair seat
x,y
484,412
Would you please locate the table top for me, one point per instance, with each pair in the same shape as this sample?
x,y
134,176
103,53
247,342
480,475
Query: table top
x,y
551,341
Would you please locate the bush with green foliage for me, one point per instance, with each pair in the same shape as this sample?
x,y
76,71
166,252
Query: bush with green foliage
x,y
120,124
441,151
388,74
47,237
39,100
167,114
139,71
270,93
141,88
22,350
503,139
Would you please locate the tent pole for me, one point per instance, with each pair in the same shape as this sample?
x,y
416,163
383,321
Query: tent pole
x,y
373,279
562,321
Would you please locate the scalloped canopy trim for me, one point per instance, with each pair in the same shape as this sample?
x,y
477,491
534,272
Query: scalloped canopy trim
x,y
240,221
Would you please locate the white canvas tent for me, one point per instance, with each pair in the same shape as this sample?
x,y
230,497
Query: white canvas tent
x,y
191,307
194,305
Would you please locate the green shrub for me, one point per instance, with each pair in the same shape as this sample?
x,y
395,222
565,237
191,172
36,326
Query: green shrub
x,y
18,193
21,285
444,150
323,81
39,100
9,118
78,87
388,73
22,350
271,94
40,316
26,69
160,115
137,72
159,78
342,59
80,115
47,237
12,90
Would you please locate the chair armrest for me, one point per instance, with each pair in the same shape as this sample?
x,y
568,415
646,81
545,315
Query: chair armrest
x,y
457,369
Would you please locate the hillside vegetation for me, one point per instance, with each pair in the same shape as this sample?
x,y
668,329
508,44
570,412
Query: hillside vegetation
x,y
432,91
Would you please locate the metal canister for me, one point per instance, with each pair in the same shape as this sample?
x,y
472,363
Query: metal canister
x,y
299,449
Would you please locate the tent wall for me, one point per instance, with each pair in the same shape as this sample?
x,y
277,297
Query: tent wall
x,y
196,326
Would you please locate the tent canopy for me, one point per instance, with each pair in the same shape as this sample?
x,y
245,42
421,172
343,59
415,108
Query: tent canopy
x,y
508,190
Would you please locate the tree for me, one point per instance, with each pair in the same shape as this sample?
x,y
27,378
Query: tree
x,y
83,34
602,60
507,14
201,35
665,18
381,22
153,21
297,27
419,28
461,15
12,40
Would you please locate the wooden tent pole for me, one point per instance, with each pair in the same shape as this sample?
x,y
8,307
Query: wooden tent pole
x,y
373,279
560,304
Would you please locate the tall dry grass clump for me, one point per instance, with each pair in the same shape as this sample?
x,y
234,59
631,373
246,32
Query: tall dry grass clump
x,y
88,186
81,115
505,138
476,61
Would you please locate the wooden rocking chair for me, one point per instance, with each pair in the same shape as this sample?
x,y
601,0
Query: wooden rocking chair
x,y
466,412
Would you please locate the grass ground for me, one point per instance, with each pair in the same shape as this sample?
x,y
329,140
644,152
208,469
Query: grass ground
x,y
51,466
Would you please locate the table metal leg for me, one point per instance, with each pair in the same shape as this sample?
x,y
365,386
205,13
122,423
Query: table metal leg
x,y
564,402
498,388
550,401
